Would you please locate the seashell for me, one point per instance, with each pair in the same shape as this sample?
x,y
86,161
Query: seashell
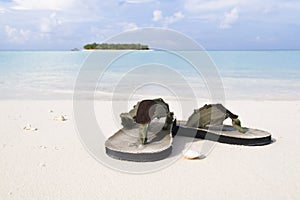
x,y
28,127
190,154
59,118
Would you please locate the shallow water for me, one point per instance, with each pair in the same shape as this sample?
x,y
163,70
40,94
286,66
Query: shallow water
x,y
261,75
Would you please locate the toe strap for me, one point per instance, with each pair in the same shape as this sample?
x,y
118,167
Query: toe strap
x,y
236,123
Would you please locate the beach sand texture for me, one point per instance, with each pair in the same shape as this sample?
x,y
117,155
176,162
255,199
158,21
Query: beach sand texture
x,y
51,162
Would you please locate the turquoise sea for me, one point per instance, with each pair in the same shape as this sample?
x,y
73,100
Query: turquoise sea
x,y
253,75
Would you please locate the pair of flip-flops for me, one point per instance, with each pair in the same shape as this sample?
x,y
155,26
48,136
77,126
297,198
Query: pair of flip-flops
x,y
144,139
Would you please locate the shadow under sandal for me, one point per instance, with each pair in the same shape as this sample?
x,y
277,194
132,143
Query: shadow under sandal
x,y
207,123
141,139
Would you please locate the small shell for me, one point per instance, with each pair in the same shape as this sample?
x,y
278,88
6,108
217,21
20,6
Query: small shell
x,y
28,127
60,118
190,154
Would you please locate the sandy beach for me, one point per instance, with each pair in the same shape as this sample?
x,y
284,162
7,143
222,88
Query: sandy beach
x,y
51,162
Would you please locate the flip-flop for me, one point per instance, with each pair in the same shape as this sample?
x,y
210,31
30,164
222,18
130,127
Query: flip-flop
x,y
142,139
207,123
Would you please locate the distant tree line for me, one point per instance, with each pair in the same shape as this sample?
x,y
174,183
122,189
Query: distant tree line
x,y
116,46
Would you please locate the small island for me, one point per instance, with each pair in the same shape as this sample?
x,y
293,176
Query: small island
x,y
106,46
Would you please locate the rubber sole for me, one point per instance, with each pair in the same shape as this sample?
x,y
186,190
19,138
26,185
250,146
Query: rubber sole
x,y
263,138
126,145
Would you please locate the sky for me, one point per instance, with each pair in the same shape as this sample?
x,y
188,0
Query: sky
x,y
214,24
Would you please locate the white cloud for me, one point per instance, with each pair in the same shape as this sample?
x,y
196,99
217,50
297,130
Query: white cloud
x,y
2,10
16,36
135,1
128,26
49,23
211,5
42,5
230,18
157,15
174,18
70,11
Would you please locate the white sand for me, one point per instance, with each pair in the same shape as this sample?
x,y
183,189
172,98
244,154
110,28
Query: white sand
x,y
51,163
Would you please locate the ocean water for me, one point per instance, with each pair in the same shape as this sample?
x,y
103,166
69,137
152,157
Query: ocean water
x,y
253,75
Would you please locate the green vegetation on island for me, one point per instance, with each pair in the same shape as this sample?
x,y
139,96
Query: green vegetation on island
x,y
106,46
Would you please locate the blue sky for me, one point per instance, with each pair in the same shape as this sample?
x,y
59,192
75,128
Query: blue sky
x,y
215,24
